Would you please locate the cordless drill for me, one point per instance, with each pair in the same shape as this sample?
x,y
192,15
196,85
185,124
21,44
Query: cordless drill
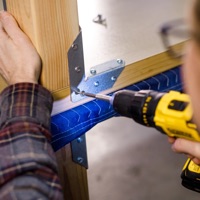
x,y
170,113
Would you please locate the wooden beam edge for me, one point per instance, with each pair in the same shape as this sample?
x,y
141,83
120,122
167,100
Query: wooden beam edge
x,y
143,69
132,74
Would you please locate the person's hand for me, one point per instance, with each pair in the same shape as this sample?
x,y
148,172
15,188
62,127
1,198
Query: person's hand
x,y
191,79
190,148
19,60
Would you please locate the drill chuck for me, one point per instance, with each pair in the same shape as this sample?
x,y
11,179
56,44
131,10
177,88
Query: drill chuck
x,y
138,105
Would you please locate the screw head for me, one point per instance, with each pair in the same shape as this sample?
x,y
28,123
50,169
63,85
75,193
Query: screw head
x,y
74,46
80,160
79,140
119,61
77,69
93,71
77,91
113,78
96,83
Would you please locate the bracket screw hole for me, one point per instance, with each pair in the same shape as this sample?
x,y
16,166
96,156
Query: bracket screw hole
x,y
74,46
93,71
113,78
78,69
119,61
77,91
79,140
80,160
96,83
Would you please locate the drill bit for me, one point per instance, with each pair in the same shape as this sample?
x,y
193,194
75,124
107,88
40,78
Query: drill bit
x,y
96,96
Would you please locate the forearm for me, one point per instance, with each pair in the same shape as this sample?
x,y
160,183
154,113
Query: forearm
x,y
28,165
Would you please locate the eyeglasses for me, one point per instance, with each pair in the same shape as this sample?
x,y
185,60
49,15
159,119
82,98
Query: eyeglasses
x,y
172,33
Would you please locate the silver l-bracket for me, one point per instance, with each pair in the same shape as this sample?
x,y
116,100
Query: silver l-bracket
x,y
102,77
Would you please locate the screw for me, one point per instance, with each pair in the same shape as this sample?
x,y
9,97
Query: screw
x,y
77,91
119,61
96,84
113,78
74,46
80,160
77,69
82,94
93,71
79,140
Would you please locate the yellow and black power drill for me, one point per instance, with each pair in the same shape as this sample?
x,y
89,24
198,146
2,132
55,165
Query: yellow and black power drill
x,y
170,113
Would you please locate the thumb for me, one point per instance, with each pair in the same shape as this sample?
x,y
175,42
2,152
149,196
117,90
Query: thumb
x,y
187,146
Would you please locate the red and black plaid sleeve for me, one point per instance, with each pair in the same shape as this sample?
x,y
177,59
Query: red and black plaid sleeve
x,y
28,167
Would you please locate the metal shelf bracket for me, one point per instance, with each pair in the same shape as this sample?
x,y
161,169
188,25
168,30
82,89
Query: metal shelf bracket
x,y
102,77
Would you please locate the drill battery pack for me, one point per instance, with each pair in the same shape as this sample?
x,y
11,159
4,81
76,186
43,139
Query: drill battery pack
x,y
191,176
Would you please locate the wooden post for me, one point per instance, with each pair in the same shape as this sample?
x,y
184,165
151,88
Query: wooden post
x,y
52,26
73,176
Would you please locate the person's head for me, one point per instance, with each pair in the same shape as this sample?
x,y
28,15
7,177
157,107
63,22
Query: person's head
x,y
191,59
193,20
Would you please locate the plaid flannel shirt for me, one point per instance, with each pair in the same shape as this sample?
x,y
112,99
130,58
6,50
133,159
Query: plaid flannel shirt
x,y
28,167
